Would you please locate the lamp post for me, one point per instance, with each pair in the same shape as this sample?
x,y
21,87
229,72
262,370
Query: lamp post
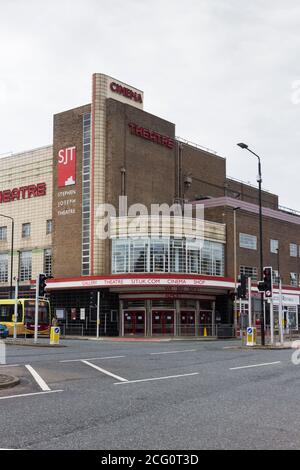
x,y
11,253
259,180
235,209
280,325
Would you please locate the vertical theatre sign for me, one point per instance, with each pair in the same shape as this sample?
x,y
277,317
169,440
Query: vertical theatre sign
x,y
66,176
66,169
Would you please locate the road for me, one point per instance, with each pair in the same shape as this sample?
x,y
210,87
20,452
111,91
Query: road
x,y
181,395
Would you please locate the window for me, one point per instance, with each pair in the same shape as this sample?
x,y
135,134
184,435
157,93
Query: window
x,y
3,267
248,241
86,203
26,230
3,233
165,255
273,246
293,249
48,226
48,262
293,279
275,275
25,265
249,271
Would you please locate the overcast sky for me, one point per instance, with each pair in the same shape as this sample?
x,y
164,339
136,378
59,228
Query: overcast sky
x,y
223,71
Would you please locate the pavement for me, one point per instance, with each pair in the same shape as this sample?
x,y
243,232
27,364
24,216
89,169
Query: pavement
x,y
188,395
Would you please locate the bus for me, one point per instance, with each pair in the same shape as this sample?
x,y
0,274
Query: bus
x,y
25,316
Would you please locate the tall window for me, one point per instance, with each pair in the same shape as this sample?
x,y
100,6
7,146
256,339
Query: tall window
x,y
3,233
275,275
248,241
249,271
273,246
48,226
26,230
293,249
3,267
293,279
25,265
48,262
86,193
138,256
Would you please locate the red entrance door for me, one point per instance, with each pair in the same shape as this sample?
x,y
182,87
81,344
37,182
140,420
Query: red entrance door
x,y
162,322
187,323
134,322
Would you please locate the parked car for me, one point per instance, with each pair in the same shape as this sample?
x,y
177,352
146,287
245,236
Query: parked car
x,y
3,331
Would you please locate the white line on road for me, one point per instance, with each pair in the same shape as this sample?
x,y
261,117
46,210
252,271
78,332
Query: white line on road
x,y
156,378
91,359
30,394
104,371
42,384
256,365
173,352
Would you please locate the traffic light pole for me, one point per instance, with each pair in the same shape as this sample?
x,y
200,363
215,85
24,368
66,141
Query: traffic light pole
x,y
262,318
98,314
36,316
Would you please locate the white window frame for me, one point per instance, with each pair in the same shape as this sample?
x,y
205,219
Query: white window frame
x,y
274,245
248,241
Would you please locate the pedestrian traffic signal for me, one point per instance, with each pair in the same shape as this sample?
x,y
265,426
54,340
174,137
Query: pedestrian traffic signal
x,y
268,282
242,287
42,284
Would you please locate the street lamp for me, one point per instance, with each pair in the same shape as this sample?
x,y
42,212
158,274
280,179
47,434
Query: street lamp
x,y
259,180
235,320
12,252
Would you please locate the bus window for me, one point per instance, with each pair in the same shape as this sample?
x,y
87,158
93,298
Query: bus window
x,y
44,315
7,312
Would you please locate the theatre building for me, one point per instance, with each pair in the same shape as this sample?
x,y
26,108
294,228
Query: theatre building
x,y
154,280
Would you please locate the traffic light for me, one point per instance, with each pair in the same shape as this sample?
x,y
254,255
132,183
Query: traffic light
x,y
242,287
93,298
42,284
268,282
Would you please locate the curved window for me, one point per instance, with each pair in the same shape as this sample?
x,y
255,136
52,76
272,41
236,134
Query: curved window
x,y
167,255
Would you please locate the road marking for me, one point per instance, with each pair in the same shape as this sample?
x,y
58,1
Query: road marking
x,y
256,365
173,352
91,359
104,371
30,394
42,384
156,378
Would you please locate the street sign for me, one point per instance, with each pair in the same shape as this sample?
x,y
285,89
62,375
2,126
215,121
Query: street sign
x,y
251,336
82,314
54,335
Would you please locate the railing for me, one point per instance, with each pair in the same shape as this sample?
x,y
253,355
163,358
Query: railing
x,y
193,144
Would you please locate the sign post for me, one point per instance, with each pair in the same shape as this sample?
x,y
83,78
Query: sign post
x,y
251,336
280,316
36,316
54,335
16,308
272,321
249,303
98,314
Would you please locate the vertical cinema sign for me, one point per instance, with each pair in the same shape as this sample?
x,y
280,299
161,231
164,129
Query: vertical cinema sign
x,y
66,168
